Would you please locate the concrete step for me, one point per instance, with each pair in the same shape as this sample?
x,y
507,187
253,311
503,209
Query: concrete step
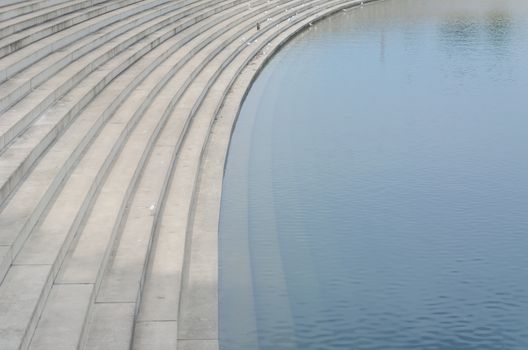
x,y
77,130
48,231
37,17
122,173
67,306
27,148
19,216
38,72
25,57
51,123
160,302
20,293
32,76
22,7
202,128
155,335
114,290
198,78
6,4
173,124
164,296
23,38
110,329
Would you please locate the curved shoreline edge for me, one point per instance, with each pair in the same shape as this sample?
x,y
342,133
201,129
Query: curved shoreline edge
x,y
115,124
214,158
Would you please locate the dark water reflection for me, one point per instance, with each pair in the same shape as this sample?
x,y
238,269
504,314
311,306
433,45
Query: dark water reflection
x,y
376,193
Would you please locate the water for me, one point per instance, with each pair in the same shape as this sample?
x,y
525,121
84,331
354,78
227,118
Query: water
x,y
376,192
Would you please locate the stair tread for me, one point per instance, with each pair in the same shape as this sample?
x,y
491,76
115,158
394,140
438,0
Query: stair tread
x,y
19,294
110,327
155,335
66,306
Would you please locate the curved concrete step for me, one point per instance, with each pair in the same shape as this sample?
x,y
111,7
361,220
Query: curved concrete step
x,y
30,35
159,311
37,137
176,76
73,275
22,7
75,43
8,3
20,23
183,107
13,232
49,171
153,176
25,57
67,204
196,149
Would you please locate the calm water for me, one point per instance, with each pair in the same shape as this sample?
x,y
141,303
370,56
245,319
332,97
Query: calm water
x,y
376,193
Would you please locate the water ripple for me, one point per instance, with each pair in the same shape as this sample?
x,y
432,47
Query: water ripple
x,y
383,202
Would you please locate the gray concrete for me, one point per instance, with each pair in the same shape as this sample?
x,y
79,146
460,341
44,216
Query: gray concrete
x,y
109,327
66,302
115,122
156,335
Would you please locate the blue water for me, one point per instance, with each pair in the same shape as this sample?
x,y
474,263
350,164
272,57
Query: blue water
x,y
376,191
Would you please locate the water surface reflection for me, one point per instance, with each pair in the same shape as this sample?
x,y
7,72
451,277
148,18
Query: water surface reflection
x,y
376,189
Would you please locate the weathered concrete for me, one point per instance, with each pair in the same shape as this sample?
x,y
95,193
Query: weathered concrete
x,y
115,123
